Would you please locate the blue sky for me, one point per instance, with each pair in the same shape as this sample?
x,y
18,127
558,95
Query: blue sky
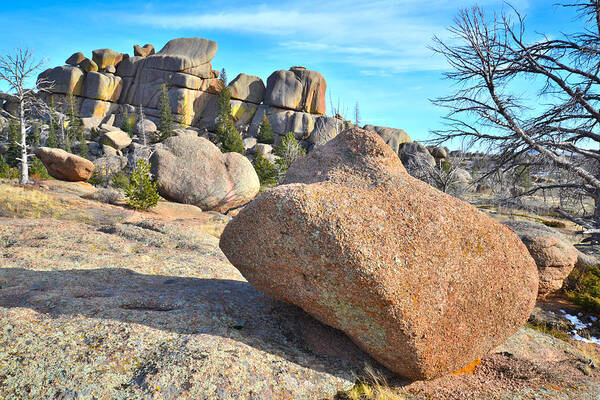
x,y
371,52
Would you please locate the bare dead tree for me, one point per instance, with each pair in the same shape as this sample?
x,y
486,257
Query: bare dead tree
x,y
16,69
356,114
558,116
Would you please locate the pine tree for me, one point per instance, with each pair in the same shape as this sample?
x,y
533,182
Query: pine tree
x,y
288,151
266,171
33,137
83,147
227,134
75,130
52,140
265,132
166,125
127,123
14,150
223,77
141,193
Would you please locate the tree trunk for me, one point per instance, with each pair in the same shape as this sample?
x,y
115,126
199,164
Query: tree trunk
x,y
24,163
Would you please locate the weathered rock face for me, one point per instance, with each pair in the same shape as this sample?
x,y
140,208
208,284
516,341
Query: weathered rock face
x,y
192,170
65,166
297,89
103,86
421,280
393,137
554,255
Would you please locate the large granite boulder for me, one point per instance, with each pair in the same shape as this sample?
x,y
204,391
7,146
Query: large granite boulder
x,y
554,255
297,89
192,170
247,88
65,79
183,53
103,86
424,282
65,166
106,57
392,136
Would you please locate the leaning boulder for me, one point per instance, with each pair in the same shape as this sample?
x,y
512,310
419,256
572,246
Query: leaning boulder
x,y
192,170
554,255
65,166
424,282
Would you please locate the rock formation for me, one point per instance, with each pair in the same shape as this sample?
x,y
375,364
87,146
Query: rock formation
x,y
421,280
111,82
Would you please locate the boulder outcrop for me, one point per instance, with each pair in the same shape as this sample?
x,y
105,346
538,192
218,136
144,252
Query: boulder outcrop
x,y
421,280
297,89
554,256
110,82
192,170
65,166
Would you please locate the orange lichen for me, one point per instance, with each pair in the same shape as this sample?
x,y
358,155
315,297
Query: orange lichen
x,y
469,369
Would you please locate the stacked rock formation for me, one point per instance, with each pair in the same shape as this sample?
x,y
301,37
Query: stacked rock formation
x,y
424,282
111,82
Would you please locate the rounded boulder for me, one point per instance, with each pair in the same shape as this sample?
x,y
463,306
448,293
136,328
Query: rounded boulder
x,y
421,280
192,170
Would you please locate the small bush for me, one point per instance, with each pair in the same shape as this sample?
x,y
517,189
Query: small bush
x,y
141,193
120,181
37,170
8,172
583,287
127,123
96,179
266,171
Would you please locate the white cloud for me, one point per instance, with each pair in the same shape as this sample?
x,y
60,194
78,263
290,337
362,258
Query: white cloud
x,y
381,37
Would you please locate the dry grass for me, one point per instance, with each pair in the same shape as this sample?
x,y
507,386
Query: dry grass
x,y
26,202
372,386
